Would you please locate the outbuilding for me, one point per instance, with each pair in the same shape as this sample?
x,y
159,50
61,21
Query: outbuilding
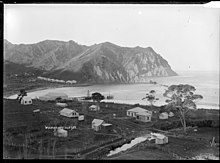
x,y
26,100
94,108
81,117
96,124
171,114
163,115
69,113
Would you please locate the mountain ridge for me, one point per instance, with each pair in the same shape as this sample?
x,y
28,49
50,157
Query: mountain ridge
x,y
99,63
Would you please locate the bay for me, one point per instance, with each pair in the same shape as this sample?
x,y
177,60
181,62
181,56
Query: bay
x,y
206,84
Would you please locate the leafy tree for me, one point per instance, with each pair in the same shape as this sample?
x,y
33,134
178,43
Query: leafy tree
x,y
98,97
151,97
21,94
58,99
182,98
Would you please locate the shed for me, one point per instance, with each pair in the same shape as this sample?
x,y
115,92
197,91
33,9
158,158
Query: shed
x,y
160,138
69,113
107,127
81,117
61,132
93,107
171,114
96,124
26,100
53,96
163,115
61,104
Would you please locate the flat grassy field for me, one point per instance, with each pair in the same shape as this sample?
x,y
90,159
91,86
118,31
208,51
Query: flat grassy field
x,y
147,154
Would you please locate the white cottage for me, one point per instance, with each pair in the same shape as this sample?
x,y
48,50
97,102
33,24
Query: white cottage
x,y
26,100
69,113
140,114
171,114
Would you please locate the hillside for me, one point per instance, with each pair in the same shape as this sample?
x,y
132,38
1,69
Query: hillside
x,y
99,63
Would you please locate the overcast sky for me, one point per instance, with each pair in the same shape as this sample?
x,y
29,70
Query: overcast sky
x,y
186,36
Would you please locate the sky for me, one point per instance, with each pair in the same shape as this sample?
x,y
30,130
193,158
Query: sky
x,y
187,36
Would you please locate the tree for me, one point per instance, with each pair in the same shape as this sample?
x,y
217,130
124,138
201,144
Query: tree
x,y
151,97
97,97
22,94
182,98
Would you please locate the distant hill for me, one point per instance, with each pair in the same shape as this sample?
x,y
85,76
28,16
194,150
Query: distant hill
x,y
99,63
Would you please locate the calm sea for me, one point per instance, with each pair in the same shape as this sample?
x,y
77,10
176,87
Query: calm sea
x,y
206,84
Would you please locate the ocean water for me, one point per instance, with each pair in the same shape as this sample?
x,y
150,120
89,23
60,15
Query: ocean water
x,y
206,84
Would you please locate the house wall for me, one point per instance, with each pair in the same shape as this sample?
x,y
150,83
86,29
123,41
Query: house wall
x,y
96,128
161,141
143,118
26,102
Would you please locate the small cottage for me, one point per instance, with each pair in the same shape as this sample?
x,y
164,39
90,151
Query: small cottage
x,y
163,115
60,132
26,100
69,113
160,138
96,124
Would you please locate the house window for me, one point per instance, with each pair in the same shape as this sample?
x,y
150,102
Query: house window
x,y
25,102
137,117
29,101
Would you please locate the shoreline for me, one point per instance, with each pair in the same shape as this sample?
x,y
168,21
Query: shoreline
x,y
13,93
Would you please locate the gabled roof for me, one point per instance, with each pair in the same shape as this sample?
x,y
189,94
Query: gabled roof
x,y
97,121
138,109
68,111
143,113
